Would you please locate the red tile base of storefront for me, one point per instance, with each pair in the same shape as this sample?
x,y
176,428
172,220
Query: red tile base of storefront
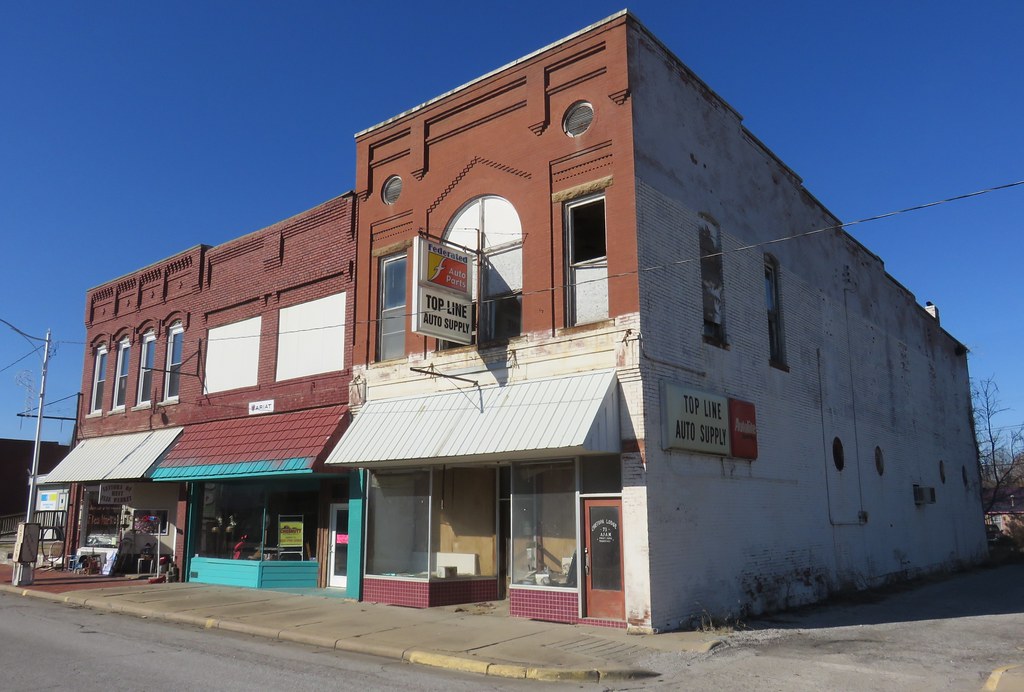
x,y
425,594
535,604
552,606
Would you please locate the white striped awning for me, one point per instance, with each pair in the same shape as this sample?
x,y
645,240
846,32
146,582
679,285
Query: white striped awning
x,y
571,415
114,457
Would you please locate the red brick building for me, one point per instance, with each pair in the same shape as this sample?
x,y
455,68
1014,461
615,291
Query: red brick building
x,y
215,381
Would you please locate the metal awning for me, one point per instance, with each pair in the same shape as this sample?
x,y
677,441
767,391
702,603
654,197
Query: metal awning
x,y
571,415
114,457
256,446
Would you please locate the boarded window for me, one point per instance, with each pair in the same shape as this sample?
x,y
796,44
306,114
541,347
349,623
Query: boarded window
x,y
232,357
311,338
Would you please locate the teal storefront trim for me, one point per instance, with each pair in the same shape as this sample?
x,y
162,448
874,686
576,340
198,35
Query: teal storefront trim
x,y
249,469
254,574
356,499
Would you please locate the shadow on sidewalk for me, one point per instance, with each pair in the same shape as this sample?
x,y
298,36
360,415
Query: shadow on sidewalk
x,y
59,581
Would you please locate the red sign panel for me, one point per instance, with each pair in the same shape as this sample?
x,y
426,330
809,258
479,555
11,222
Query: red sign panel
x,y
743,429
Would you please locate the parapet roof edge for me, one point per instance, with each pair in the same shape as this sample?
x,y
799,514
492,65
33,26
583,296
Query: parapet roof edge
x,y
595,25
133,272
205,246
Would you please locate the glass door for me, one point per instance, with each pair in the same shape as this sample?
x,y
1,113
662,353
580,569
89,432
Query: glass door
x,y
603,537
337,575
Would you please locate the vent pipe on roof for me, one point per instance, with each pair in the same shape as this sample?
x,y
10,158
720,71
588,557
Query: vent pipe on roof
x,y
930,308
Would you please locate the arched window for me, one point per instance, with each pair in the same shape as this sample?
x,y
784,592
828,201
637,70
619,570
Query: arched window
x,y
491,226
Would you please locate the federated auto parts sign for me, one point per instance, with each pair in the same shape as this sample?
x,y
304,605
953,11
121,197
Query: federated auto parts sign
x,y
442,304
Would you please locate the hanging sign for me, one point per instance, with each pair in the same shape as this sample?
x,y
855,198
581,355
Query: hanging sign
x,y
115,494
442,304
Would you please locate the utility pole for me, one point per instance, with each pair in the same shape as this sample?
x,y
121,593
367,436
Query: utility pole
x,y
24,571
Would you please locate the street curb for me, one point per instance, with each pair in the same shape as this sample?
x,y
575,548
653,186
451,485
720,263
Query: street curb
x,y
423,657
996,676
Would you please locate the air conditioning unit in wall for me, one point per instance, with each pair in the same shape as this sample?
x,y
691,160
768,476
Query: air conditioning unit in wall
x,y
924,495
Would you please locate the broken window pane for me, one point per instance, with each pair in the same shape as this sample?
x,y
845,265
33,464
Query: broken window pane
x,y
711,277
588,262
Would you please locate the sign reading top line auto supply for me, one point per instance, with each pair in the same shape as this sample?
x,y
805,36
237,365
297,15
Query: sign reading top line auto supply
x,y
709,423
442,304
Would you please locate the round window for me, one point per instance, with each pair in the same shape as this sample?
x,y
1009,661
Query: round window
x,y
392,190
578,118
879,461
838,458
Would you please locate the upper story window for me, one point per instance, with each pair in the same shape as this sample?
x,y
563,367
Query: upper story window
x,y
124,351
232,356
147,361
711,278
99,379
311,338
391,311
489,228
175,346
773,308
587,260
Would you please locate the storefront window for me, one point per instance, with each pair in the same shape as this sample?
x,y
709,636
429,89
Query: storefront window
x,y
103,525
544,525
258,521
398,524
463,535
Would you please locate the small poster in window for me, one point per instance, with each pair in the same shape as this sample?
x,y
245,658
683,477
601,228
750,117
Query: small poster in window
x,y
151,521
289,530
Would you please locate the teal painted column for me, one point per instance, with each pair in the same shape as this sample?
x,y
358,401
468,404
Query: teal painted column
x,y
356,522
192,523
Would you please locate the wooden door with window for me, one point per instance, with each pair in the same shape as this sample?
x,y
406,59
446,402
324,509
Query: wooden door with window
x,y
602,535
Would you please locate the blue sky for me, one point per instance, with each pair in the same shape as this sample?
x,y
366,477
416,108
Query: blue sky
x,y
130,131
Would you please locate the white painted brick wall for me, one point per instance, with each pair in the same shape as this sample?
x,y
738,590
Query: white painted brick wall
x,y
865,364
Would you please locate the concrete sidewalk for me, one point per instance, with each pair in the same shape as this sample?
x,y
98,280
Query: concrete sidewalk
x,y
477,638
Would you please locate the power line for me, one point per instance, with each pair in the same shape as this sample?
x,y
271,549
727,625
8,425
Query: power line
x,y
674,263
8,367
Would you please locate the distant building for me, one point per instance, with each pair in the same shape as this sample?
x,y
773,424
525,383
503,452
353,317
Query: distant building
x,y
647,375
15,467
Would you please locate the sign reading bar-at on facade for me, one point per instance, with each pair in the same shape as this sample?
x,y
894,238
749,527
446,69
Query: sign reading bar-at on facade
x,y
693,420
442,304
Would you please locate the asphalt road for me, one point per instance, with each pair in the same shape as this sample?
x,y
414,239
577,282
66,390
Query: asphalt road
x,y
945,634
44,645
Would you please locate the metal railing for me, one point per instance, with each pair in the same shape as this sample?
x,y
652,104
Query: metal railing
x,y
52,522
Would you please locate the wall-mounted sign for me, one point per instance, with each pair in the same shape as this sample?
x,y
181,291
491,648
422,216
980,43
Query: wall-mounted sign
x,y
693,420
743,429
442,304
51,499
258,407
115,494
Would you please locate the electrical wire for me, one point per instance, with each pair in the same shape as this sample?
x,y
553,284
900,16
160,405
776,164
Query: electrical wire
x,y
667,265
8,367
